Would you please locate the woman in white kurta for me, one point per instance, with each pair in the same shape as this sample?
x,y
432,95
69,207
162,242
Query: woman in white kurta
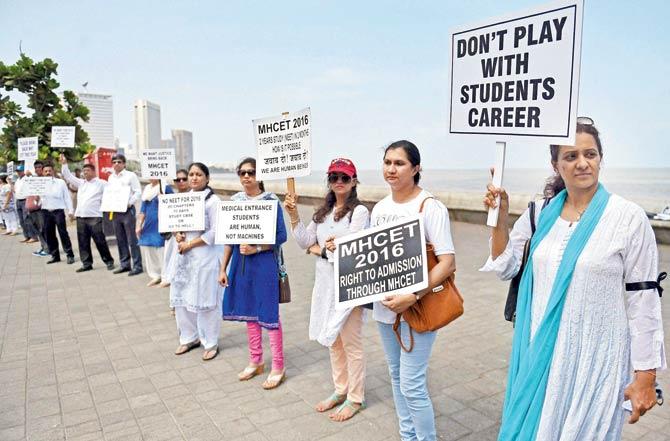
x,y
180,186
194,292
339,330
605,333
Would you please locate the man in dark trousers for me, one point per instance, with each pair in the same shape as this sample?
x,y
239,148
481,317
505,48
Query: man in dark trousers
x,y
56,204
89,218
124,222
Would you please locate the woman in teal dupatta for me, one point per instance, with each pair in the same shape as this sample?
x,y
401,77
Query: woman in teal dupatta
x,y
579,336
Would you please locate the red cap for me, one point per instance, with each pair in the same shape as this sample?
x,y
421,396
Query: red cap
x,y
342,165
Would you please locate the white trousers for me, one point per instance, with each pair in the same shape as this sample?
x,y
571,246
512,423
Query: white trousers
x,y
152,258
11,221
203,325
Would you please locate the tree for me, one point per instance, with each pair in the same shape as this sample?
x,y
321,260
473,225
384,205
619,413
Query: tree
x,y
37,82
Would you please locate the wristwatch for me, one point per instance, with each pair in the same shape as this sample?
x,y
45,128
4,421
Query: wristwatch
x,y
258,249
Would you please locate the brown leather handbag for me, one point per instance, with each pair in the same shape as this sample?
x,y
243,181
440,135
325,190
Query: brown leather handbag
x,y
434,310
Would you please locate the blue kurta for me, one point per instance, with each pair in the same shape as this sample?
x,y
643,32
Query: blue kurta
x,y
252,294
150,236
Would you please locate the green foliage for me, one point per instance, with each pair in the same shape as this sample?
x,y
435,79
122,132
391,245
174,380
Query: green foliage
x,y
37,82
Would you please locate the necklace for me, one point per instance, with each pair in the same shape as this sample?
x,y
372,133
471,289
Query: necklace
x,y
579,214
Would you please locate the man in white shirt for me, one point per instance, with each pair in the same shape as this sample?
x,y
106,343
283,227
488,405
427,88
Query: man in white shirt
x,y
55,202
124,223
89,218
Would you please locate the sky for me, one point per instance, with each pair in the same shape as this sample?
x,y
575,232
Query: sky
x,y
372,72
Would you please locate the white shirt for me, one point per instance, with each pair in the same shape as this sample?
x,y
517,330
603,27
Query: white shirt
x,y
57,197
89,193
129,179
436,224
18,189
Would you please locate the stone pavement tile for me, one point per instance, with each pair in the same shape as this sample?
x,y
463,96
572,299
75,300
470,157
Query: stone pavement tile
x,y
193,374
77,417
43,424
102,379
303,428
107,392
445,405
40,393
449,429
130,374
12,417
173,391
272,413
202,387
114,418
76,401
44,407
151,410
123,362
165,379
123,432
472,419
182,405
490,434
12,433
137,387
71,375
359,430
112,406
93,436
72,387
99,368
156,367
50,435
91,427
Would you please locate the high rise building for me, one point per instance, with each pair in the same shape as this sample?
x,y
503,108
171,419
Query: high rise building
x,y
147,125
183,141
100,125
168,144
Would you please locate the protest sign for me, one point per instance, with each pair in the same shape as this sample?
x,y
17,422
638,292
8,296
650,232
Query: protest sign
x,y
284,145
158,164
250,222
10,168
115,199
36,185
518,75
385,260
181,212
62,136
27,148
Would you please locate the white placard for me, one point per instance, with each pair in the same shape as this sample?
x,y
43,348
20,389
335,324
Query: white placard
x,y
250,222
62,136
181,212
28,148
518,75
115,198
158,164
284,145
10,168
36,185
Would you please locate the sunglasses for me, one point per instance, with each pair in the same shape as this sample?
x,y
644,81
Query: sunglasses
x,y
248,172
585,121
180,179
334,177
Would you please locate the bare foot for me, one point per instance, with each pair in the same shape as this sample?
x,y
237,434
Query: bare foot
x,y
330,402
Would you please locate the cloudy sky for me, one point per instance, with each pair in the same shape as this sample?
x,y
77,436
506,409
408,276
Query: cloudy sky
x,y
372,72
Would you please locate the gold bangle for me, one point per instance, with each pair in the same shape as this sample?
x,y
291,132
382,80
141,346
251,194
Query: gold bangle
x,y
652,373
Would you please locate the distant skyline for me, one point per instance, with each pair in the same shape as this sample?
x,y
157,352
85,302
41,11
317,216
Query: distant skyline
x,y
371,72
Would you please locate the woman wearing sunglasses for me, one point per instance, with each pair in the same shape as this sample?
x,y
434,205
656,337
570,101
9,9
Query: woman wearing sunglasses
x,y
252,285
585,339
340,330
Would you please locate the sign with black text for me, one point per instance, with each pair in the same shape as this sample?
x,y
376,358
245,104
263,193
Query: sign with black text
x,y
36,185
62,136
250,222
181,212
518,75
115,198
10,171
381,261
284,145
27,148
158,164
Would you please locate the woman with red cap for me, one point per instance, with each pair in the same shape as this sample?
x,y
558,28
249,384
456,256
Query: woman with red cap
x,y
341,330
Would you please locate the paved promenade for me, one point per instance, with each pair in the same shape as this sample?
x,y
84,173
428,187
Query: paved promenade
x,y
90,357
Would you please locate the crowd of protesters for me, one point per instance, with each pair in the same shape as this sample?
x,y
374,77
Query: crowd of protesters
x,y
577,354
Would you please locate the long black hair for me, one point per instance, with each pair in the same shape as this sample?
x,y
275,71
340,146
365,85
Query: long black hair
x,y
252,161
349,205
555,183
412,153
205,170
